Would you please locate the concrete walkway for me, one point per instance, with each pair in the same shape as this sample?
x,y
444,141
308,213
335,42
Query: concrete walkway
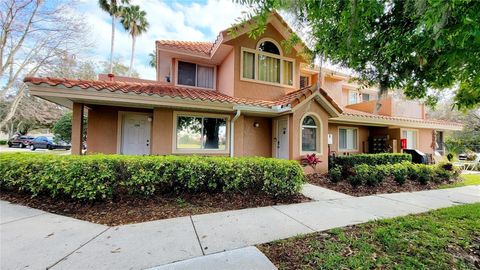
x,y
38,240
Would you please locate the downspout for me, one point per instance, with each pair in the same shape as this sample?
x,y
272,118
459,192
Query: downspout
x,y
232,131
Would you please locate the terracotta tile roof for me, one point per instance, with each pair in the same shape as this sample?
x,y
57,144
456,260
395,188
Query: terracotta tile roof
x,y
295,97
104,77
356,113
198,47
159,89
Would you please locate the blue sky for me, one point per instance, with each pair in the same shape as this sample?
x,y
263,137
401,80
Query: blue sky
x,y
178,20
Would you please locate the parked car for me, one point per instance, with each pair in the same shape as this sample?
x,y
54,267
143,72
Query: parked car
x,y
44,142
20,141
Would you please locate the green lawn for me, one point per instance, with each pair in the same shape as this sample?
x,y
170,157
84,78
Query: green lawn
x,y
444,239
468,180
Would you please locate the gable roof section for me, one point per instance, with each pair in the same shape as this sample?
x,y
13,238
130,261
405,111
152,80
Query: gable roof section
x,y
195,47
208,49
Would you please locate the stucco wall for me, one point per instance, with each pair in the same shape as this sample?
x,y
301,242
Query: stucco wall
x,y
295,132
258,90
225,76
102,130
363,134
162,126
257,140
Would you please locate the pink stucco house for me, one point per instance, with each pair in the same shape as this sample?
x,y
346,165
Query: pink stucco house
x,y
238,96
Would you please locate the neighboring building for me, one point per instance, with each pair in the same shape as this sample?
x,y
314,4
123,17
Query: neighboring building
x,y
239,97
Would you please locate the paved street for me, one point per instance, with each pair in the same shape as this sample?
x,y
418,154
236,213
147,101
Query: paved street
x,y
35,239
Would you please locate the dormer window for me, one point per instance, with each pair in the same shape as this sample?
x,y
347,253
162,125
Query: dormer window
x,y
196,75
267,65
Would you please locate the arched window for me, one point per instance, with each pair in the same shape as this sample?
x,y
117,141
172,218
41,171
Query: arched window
x,y
310,135
268,46
266,63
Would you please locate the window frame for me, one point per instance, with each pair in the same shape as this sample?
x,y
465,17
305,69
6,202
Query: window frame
x,y
282,58
357,139
417,134
368,97
319,134
196,74
176,150
356,94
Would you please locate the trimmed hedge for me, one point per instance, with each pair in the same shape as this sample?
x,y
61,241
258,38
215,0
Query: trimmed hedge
x,y
370,159
371,175
3,142
95,177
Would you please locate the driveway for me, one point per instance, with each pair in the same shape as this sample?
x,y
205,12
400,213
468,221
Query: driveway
x,y
35,239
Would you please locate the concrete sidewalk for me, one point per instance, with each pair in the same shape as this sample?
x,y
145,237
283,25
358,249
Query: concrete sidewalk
x,y
38,240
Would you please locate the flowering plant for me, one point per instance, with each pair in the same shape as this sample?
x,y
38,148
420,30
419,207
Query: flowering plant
x,y
310,160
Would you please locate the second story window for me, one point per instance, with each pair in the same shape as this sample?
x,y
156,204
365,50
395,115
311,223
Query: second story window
x,y
365,97
304,81
267,64
190,74
352,97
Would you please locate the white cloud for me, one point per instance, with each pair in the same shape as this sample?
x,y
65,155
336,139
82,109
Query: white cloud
x,y
168,20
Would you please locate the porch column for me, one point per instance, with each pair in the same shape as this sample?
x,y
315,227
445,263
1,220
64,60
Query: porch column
x,y
77,127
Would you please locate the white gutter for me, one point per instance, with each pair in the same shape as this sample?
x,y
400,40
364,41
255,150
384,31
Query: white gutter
x,y
232,131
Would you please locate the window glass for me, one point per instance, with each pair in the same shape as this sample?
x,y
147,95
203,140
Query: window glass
x,y
365,97
189,132
348,139
186,73
309,134
287,72
205,76
248,65
352,97
201,132
214,133
269,47
268,69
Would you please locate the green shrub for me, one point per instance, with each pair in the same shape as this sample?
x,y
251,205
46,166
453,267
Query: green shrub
x,y
371,159
96,177
3,142
365,174
335,174
399,171
425,173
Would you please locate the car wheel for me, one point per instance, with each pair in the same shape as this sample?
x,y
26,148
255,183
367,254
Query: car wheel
x,y
9,145
21,145
32,147
49,147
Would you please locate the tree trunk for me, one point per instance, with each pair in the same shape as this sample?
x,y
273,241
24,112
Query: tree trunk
x,y
131,58
111,44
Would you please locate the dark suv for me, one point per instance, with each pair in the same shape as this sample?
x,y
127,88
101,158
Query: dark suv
x,y
43,142
20,141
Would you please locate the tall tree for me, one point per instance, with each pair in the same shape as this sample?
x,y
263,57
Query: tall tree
x,y
135,22
413,45
33,36
114,8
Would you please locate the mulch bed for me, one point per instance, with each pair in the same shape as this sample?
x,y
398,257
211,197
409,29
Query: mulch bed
x,y
133,210
387,186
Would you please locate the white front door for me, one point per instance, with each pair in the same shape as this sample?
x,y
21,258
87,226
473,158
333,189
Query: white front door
x,y
136,134
282,138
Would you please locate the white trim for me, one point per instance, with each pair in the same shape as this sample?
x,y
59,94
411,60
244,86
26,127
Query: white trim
x,y
275,136
120,116
276,56
338,139
196,73
175,150
319,134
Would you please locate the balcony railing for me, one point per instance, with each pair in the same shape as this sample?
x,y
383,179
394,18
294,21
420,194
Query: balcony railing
x,y
392,107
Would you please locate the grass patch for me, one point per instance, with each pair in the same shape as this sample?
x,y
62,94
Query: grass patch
x,y
468,180
443,239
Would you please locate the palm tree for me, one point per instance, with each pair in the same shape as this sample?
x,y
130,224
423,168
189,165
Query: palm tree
x,y
153,59
114,8
134,21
